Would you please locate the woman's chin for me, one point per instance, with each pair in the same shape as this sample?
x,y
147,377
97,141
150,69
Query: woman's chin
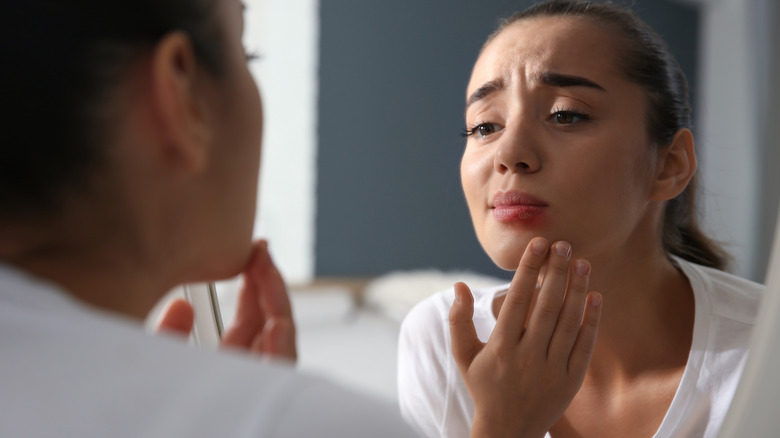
x,y
223,265
507,254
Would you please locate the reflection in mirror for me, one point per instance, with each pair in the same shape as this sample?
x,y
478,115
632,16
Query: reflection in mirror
x,y
363,104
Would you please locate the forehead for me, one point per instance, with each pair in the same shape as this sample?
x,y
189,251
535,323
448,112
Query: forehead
x,y
568,45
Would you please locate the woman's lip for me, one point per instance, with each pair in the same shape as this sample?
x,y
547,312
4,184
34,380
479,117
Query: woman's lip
x,y
518,207
518,213
519,199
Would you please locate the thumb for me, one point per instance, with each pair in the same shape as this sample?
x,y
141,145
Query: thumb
x,y
465,343
177,318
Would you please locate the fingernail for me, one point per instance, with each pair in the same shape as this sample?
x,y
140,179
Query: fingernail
x,y
596,301
581,267
563,249
539,246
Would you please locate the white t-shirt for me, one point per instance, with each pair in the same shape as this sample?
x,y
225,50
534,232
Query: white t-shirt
x,y
67,370
434,398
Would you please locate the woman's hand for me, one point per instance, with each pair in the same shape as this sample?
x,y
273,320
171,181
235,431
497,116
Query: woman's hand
x,y
263,323
525,376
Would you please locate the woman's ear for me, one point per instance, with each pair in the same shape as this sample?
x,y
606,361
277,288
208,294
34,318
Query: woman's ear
x,y
675,167
179,104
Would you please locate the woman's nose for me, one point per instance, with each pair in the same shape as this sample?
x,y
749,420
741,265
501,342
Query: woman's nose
x,y
517,153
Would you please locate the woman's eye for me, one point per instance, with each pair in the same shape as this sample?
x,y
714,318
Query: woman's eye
x,y
568,117
486,129
482,130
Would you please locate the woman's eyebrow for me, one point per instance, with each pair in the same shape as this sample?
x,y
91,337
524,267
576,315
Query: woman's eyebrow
x,y
484,91
559,80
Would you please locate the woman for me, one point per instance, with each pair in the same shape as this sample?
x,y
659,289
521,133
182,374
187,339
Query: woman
x,y
578,133
130,160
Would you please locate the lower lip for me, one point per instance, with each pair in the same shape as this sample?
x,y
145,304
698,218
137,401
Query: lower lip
x,y
518,213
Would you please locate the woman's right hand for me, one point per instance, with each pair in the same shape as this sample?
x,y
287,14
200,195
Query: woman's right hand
x,y
526,375
263,324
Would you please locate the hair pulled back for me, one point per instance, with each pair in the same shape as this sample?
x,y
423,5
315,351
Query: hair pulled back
x,y
62,62
647,61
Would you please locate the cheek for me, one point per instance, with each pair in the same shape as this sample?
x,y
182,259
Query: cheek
x,y
474,177
604,197
252,128
241,140
250,117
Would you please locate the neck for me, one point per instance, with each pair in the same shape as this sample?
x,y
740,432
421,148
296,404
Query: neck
x,y
93,255
647,320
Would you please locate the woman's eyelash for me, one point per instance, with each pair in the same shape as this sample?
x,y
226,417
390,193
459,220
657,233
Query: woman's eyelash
x,y
252,55
559,113
468,132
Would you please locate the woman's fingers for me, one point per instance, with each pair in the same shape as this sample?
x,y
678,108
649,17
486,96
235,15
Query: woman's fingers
x,y
536,358
279,328
570,318
264,321
178,317
279,339
274,300
249,318
550,298
586,338
517,303
465,343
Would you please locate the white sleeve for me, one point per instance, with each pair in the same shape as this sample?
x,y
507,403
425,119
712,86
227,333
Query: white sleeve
x,y
423,358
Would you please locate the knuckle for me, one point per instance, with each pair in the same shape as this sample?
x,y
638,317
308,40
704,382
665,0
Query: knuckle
x,y
499,345
559,265
528,269
591,323
569,325
518,298
548,309
530,263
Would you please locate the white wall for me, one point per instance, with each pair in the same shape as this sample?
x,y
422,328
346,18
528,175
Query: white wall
x,y
286,36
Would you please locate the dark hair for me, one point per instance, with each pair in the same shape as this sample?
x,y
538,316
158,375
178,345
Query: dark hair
x,y
62,61
648,62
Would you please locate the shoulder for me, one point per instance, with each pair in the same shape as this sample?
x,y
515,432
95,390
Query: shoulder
x,y
432,313
431,394
729,296
154,385
726,312
424,334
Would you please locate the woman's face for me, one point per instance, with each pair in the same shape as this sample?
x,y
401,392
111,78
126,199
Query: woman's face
x,y
557,144
237,113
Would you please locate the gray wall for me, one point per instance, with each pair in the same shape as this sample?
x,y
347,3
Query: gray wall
x,y
392,87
